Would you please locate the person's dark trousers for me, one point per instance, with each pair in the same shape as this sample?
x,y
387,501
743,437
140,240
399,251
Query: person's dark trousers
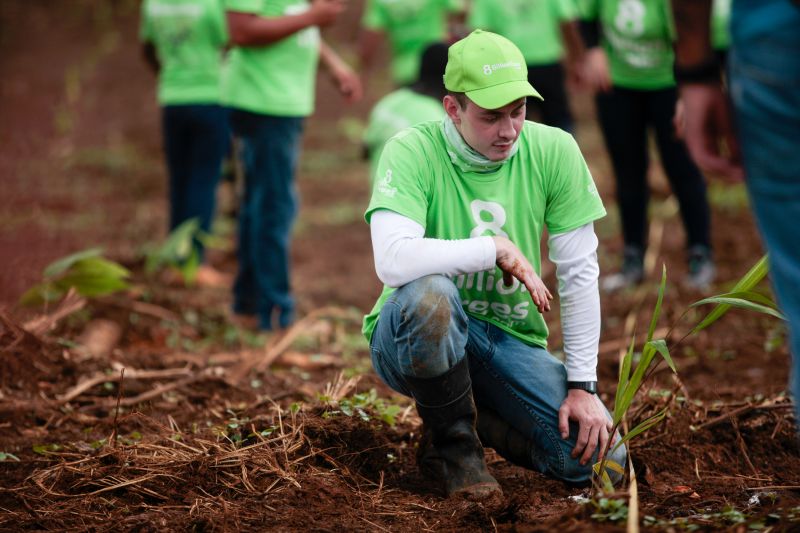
x,y
196,138
625,116
548,80
269,150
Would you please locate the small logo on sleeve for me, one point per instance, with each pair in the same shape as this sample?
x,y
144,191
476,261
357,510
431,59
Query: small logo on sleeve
x,y
384,185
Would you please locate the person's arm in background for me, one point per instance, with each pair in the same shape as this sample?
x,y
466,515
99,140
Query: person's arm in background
x,y
708,128
576,51
595,72
149,52
151,57
456,21
249,29
346,80
370,39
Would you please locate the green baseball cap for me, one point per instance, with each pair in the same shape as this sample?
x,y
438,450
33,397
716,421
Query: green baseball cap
x,y
489,69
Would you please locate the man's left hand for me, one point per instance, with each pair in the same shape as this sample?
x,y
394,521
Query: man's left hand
x,y
348,82
593,423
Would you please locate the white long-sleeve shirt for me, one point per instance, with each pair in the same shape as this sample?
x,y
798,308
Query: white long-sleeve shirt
x,y
403,253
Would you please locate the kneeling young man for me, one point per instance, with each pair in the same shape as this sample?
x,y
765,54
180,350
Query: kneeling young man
x,y
456,217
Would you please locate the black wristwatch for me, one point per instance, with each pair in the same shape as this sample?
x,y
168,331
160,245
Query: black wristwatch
x,y
588,386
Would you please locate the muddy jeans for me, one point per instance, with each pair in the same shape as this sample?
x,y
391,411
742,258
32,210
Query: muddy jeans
x,y
423,331
764,82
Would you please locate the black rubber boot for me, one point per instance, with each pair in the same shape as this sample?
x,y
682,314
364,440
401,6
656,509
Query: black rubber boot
x,y
509,443
450,451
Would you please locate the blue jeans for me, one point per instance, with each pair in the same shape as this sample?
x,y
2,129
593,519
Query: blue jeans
x,y
269,149
423,331
196,138
765,89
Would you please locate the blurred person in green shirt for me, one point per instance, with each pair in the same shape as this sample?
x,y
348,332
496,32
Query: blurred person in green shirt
x,y
542,29
269,84
407,106
183,41
629,63
409,26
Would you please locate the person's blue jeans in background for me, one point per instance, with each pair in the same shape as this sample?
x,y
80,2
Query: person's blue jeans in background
x,y
196,138
269,150
423,331
764,83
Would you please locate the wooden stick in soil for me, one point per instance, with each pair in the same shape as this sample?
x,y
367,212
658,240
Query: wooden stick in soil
x,y
84,386
113,438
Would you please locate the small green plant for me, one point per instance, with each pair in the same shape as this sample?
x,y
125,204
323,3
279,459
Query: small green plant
x,y
360,404
178,251
87,272
741,296
630,383
610,510
5,456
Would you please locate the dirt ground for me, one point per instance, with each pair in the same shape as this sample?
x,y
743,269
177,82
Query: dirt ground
x,y
212,427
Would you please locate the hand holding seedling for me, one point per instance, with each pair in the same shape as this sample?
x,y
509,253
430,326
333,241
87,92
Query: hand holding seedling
x,y
325,12
593,424
514,265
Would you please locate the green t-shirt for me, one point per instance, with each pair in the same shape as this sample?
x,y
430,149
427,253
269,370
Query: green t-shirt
x,y
534,26
410,26
275,79
189,36
394,112
546,184
720,21
637,36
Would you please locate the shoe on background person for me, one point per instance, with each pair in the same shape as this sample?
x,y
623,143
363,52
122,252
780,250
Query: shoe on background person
x,y
702,270
631,273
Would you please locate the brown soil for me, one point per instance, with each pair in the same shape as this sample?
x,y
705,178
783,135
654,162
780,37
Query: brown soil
x,y
216,432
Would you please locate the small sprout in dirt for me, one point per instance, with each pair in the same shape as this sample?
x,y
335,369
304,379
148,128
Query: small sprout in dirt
x,y
267,432
46,449
87,272
610,510
178,252
295,408
391,457
776,338
6,456
256,383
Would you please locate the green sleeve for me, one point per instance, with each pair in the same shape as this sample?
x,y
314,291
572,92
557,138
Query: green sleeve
x,y
145,28
480,15
456,6
588,9
566,9
244,6
400,180
374,17
220,22
572,197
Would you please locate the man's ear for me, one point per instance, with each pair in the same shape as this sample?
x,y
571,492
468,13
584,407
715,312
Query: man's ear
x,y
451,107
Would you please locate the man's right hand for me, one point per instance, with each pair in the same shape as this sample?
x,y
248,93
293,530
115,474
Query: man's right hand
x,y
325,12
708,131
514,265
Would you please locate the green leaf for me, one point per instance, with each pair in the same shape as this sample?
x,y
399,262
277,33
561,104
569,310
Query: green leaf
x,y
641,428
657,310
752,278
740,304
5,456
62,265
661,347
624,378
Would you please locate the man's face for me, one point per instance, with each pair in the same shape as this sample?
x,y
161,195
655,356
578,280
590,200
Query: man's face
x,y
491,132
